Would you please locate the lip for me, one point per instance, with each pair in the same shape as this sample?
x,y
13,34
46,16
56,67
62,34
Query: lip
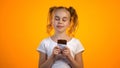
x,y
60,26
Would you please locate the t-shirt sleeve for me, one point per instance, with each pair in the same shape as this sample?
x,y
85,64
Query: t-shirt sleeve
x,y
41,47
79,47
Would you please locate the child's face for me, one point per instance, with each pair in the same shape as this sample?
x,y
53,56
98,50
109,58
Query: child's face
x,y
61,20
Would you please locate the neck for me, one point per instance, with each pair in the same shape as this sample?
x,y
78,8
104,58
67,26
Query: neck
x,y
57,36
60,35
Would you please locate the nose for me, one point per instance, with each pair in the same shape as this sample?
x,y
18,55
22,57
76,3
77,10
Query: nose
x,y
60,22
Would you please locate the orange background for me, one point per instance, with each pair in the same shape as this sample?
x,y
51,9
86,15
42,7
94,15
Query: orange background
x,y
23,25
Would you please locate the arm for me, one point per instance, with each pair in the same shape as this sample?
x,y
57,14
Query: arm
x,y
75,63
44,62
47,63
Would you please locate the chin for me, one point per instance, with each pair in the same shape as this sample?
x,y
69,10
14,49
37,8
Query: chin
x,y
60,31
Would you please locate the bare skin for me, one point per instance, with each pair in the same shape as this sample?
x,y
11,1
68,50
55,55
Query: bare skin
x,y
76,62
46,63
60,22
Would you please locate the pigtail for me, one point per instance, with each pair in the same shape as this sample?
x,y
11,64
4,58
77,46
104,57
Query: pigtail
x,y
73,19
49,25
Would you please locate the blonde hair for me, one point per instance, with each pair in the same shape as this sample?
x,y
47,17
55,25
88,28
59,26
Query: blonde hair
x,y
73,19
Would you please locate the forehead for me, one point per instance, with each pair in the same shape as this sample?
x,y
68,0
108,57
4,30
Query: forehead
x,y
61,13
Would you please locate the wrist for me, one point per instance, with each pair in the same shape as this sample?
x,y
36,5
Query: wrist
x,y
52,56
70,58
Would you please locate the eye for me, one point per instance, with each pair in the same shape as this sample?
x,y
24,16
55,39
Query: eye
x,y
64,19
57,18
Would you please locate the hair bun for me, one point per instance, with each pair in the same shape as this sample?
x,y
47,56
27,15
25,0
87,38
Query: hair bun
x,y
51,9
72,10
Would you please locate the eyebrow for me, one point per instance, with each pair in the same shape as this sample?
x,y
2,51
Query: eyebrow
x,y
56,16
63,17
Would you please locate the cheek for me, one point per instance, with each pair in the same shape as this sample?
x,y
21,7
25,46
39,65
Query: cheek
x,y
54,23
67,23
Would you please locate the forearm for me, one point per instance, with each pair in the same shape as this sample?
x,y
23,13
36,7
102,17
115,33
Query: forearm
x,y
48,63
74,64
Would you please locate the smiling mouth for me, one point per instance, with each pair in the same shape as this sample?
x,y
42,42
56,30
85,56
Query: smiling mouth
x,y
60,26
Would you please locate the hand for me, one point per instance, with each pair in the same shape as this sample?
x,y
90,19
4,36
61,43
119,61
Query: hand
x,y
56,51
66,52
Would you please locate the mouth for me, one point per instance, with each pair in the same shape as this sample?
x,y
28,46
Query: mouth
x,y
60,27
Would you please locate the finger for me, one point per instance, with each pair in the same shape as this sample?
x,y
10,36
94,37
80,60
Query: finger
x,y
57,50
65,48
56,53
56,47
65,52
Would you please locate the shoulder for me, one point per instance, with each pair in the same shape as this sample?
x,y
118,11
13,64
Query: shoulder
x,y
43,45
45,40
77,44
76,40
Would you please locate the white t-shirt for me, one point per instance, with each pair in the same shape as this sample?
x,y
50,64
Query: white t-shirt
x,y
46,46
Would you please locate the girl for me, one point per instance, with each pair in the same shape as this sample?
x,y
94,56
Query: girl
x,y
64,21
